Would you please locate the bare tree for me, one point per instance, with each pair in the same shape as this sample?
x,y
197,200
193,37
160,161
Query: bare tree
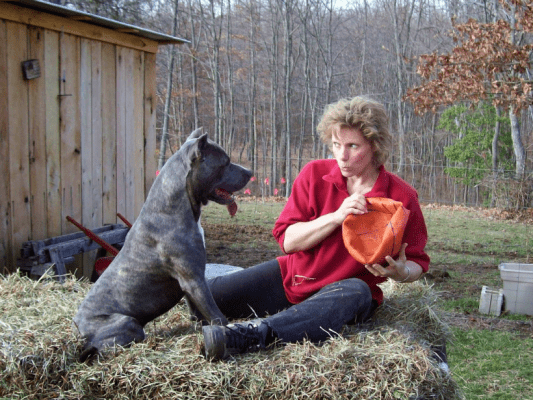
x,y
260,73
168,99
288,7
401,13
252,90
213,23
194,46
271,46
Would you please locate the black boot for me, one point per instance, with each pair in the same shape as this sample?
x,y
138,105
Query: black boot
x,y
440,355
223,341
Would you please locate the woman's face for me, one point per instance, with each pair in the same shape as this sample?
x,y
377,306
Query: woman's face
x,y
352,151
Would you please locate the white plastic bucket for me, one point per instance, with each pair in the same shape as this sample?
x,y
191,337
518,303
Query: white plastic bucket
x,y
517,287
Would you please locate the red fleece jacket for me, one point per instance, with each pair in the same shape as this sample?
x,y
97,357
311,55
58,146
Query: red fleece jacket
x,y
320,189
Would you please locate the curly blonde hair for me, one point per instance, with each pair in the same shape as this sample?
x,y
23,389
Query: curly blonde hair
x,y
364,114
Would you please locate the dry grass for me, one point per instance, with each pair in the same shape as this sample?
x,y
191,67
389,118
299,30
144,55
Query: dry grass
x,y
388,360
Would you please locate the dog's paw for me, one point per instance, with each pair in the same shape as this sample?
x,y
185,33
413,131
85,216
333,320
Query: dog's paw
x,y
88,352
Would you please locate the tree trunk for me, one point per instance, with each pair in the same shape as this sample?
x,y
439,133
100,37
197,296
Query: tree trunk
x,y
230,125
164,134
495,139
495,154
287,28
518,146
274,93
399,50
215,34
253,87
194,62
363,56
307,81
432,174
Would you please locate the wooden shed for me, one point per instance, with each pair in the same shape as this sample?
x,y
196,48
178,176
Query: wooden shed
x,y
77,121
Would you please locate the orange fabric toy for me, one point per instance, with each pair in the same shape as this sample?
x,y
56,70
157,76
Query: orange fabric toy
x,y
378,233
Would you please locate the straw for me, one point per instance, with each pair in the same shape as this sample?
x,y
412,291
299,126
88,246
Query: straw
x,y
389,358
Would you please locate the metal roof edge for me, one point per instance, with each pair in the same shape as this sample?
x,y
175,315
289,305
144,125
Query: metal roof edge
x,y
97,20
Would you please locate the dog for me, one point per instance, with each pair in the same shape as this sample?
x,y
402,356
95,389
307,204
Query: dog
x,y
163,257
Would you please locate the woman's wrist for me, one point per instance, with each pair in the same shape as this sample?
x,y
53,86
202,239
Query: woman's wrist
x,y
407,276
413,273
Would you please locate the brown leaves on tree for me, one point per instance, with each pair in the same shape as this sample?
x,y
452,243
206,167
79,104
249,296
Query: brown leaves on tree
x,y
489,63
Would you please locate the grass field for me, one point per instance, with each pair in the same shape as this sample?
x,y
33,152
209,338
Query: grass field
x,y
491,358
491,364
487,363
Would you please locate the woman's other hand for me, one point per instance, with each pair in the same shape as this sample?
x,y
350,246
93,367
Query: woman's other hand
x,y
401,269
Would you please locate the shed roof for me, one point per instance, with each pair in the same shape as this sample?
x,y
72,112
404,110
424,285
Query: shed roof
x,y
97,20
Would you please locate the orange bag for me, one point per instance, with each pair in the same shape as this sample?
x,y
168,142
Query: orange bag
x,y
372,236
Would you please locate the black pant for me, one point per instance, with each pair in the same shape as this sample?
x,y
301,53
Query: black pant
x,y
258,292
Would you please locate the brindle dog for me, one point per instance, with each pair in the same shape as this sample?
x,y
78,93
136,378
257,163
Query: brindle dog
x,y
163,257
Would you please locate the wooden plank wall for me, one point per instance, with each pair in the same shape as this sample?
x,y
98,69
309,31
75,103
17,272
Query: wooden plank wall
x,y
18,135
52,136
71,140
6,248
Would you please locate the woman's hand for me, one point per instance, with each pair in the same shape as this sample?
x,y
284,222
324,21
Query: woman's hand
x,y
354,204
305,235
401,270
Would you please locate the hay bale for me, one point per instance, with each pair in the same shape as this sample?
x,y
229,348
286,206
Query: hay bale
x,y
388,359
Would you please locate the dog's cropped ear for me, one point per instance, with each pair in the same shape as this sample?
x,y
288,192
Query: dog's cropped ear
x,y
199,147
202,142
196,133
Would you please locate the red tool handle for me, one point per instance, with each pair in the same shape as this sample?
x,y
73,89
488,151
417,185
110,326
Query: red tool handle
x,y
124,220
94,237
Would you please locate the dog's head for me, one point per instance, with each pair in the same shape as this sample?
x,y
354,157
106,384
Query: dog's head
x,y
212,175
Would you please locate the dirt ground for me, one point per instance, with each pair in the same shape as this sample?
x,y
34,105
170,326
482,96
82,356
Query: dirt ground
x,y
245,246
231,244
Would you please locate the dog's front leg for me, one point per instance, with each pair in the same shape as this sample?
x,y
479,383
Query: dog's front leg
x,y
201,300
195,314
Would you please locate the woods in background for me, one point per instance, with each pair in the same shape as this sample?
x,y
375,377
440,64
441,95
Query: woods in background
x,y
453,74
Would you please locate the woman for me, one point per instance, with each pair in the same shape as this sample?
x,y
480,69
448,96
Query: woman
x,y
318,287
